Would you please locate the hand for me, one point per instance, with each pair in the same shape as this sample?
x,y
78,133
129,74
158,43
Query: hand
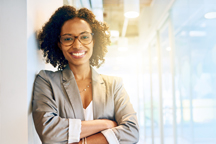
x,y
110,123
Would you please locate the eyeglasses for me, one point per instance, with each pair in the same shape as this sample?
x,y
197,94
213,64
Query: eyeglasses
x,y
84,38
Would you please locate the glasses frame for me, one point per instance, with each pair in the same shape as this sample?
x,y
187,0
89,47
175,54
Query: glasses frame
x,y
75,39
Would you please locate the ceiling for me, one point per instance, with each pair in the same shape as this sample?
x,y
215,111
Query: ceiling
x,y
114,16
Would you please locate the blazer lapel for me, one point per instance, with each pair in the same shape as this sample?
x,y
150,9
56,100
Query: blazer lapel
x,y
72,90
99,94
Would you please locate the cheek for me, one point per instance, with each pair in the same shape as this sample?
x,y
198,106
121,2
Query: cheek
x,y
92,50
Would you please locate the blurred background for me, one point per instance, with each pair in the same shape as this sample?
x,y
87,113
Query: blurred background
x,y
165,51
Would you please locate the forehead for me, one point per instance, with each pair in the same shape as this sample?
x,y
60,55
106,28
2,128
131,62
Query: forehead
x,y
75,26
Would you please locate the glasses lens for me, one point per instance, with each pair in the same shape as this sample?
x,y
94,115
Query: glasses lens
x,y
67,40
85,38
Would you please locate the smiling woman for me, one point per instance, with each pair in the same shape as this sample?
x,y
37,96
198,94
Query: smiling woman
x,y
76,104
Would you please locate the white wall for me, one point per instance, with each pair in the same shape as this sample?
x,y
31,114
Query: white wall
x,y
13,63
20,60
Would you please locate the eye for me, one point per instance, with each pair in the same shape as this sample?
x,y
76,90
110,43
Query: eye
x,y
85,37
67,39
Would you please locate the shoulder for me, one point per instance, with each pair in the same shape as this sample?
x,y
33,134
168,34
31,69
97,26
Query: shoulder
x,y
48,75
108,80
112,81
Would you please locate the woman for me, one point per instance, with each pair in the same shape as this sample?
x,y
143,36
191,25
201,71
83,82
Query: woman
x,y
76,104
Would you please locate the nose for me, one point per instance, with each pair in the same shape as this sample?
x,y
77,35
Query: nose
x,y
76,44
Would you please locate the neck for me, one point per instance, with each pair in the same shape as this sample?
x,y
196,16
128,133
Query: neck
x,y
81,72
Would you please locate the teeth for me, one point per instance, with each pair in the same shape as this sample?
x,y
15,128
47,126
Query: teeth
x,y
78,54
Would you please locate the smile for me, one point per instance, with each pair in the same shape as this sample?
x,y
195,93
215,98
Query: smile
x,y
78,54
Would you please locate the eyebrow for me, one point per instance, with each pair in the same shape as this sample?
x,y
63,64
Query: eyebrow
x,y
79,34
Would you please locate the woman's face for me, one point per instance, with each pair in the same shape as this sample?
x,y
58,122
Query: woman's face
x,y
77,54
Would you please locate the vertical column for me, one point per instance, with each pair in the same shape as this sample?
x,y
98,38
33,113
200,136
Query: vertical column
x,y
144,115
191,101
160,90
152,116
172,52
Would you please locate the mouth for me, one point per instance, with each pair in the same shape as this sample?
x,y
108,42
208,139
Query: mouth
x,y
78,54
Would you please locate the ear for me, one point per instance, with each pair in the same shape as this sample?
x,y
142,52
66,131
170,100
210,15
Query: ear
x,y
59,45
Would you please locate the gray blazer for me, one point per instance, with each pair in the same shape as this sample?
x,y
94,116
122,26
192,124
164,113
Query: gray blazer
x,y
56,99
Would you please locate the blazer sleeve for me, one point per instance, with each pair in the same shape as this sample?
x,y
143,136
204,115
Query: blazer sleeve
x,y
50,127
127,131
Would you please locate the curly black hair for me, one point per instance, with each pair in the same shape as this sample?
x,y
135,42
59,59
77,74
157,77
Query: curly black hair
x,y
48,37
